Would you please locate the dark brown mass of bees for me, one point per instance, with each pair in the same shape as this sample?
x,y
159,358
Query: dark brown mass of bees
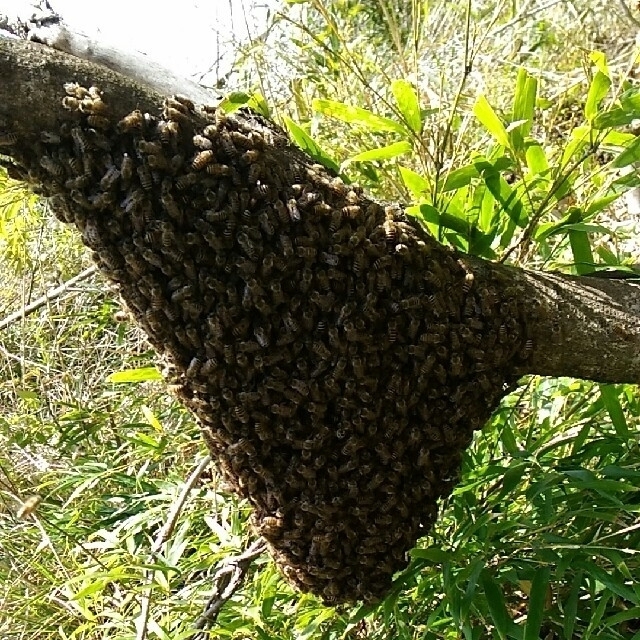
x,y
338,358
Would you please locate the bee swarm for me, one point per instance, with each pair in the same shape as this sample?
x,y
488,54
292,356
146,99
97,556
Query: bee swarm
x,y
338,358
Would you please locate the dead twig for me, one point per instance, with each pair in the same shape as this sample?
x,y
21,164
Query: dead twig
x,y
226,581
52,294
163,535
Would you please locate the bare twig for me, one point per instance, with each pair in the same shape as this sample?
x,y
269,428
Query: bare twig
x,y
226,581
163,535
52,294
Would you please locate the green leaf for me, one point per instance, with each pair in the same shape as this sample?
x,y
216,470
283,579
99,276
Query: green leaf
x,y
357,115
524,102
308,144
259,104
234,101
601,203
484,112
407,102
507,197
433,554
580,243
616,117
144,374
611,400
537,603
571,606
461,177
382,153
496,604
417,185
630,155
630,101
536,159
598,89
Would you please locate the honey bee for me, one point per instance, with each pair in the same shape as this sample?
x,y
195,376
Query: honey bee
x,y
75,90
286,245
202,159
146,181
186,180
28,507
202,142
126,168
52,166
110,178
134,121
194,368
178,115
351,211
169,132
79,140
526,349
292,210
99,122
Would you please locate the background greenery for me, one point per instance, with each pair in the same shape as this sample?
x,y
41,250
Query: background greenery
x,y
508,127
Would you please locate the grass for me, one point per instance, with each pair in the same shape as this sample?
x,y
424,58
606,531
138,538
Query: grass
x,y
541,537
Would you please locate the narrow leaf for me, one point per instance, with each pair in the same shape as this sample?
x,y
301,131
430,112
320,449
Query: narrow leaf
x,y
524,102
538,599
144,374
598,89
356,115
407,102
496,604
416,184
630,155
381,153
484,112
611,401
308,144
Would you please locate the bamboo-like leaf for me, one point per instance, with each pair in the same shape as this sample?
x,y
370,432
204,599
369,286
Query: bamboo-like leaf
x,y
630,155
598,89
484,112
615,117
630,100
536,159
538,599
357,115
381,153
143,374
308,144
496,604
611,400
407,101
524,102
417,185
580,243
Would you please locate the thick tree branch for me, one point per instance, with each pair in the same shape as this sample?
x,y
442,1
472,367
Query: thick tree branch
x,y
578,326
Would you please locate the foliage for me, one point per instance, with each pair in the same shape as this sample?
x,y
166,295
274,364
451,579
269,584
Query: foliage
x,y
507,141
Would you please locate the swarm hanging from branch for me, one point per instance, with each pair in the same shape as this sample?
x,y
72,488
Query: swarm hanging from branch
x,y
338,358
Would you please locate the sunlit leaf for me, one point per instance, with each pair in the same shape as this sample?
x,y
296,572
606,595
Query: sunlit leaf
x,y
408,104
143,374
357,115
487,116
382,153
598,89
308,144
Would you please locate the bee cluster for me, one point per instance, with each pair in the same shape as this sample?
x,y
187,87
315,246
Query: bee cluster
x,y
338,358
